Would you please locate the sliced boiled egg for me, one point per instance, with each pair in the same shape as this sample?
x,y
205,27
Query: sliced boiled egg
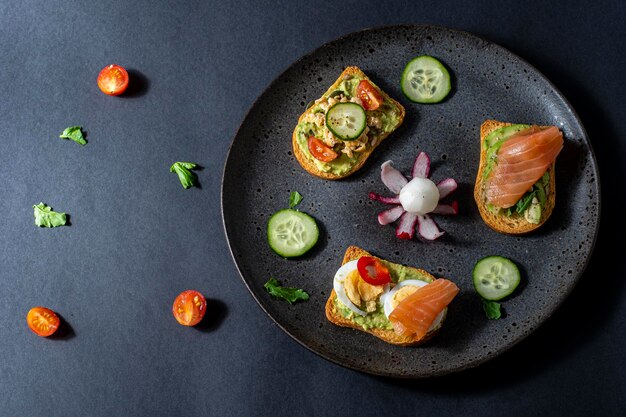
x,y
419,196
347,290
403,290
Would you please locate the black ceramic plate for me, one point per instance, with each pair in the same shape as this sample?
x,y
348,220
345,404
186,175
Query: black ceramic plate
x,y
489,83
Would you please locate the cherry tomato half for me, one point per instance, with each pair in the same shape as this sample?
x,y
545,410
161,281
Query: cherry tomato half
x,y
113,80
373,271
320,151
369,95
189,307
43,321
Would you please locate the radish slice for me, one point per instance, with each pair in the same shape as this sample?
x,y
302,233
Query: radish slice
x,y
392,178
406,227
391,215
428,228
421,167
446,187
385,200
451,209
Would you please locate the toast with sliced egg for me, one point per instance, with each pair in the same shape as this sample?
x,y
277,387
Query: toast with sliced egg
x,y
536,204
368,307
339,131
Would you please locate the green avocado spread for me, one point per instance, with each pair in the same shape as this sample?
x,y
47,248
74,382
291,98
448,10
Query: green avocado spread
x,y
387,115
377,318
339,166
531,204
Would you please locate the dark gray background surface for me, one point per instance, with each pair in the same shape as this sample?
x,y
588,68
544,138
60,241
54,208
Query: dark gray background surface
x,y
137,238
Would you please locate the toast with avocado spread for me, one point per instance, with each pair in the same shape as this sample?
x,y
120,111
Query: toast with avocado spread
x,y
535,206
375,321
339,131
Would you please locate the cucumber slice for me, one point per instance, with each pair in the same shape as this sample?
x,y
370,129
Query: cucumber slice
x,y
425,80
495,277
346,121
291,233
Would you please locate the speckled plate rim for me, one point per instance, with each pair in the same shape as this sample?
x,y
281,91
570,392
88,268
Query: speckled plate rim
x,y
555,90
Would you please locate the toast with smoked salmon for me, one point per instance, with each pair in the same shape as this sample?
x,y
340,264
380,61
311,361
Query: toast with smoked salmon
x,y
515,187
390,301
339,131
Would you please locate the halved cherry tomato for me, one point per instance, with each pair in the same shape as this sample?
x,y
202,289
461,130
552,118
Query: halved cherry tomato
x,y
113,80
369,95
189,307
373,271
320,151
43,321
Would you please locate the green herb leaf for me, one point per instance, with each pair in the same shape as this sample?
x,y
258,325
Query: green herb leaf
x,y
74,133
291,295
294,199
492,309
538,190
541,194
186,177
45,217
525,201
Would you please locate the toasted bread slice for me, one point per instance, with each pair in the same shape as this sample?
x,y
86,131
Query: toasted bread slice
x,y
502,223
308,162
389,336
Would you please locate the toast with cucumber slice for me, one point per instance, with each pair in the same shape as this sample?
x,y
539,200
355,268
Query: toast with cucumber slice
x,y
515,187
339,131
376,309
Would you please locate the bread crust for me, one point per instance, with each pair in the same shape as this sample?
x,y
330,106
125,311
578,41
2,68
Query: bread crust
x,y
389,336
309,165
500,222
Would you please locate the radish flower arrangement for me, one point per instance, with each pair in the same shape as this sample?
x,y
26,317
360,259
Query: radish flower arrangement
x,y
415,200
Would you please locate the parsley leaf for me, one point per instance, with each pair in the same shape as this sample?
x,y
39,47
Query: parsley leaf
x,y
291,295
294,199
45,217
74,133
492,309
186,177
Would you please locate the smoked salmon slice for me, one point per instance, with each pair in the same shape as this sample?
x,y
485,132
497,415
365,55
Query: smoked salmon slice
x,y
415,314
521,162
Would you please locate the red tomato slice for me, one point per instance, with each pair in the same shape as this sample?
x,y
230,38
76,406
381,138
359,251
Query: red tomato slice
x,y
43,321
320,151
373,271
189,307
113,80
369,95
